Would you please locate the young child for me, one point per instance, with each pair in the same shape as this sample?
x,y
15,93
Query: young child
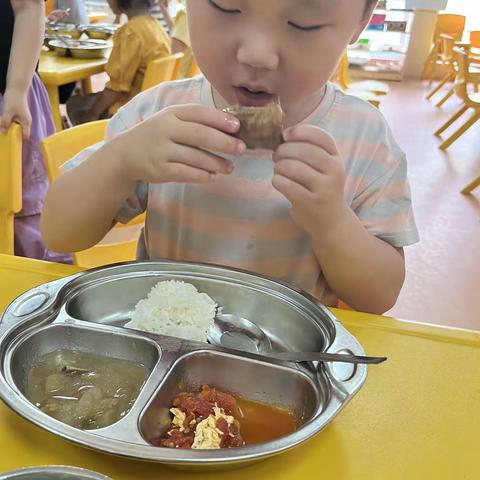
x,y
135,44
330,214
23,99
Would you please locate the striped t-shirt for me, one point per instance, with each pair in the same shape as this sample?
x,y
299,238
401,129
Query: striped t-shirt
x,y
240,220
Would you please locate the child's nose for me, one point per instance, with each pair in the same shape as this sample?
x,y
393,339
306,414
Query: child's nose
x,y
258,51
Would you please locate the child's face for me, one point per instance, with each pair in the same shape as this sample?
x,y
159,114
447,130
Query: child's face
x,y
252,50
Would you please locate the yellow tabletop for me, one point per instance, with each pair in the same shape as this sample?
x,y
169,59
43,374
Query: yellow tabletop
x,y
416,417
55,71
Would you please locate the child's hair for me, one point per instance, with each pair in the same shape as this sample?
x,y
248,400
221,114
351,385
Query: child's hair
x,y
125,5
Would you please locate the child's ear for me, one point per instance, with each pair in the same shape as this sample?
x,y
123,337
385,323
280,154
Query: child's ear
x,y
364,22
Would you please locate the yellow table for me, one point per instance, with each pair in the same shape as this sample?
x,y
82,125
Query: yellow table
x,y
417,416
55,71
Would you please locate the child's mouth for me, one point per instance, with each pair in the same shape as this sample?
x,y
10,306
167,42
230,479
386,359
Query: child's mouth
x,y
251,98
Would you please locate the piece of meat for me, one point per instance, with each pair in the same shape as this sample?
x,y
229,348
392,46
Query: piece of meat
x,y
224,400
177,439
260,127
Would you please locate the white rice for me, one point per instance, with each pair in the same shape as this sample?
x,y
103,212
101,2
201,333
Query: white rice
x,y
176,309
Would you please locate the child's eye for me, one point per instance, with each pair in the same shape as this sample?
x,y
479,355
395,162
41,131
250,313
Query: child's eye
x,y
225,10
308,28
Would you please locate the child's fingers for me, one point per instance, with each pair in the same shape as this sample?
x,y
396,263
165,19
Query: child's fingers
x,y
5,122
311,134
308,153
199,159
181,173
25,130
297,172
293,191
209,117
207,138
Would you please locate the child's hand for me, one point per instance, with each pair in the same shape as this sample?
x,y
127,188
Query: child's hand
x,y
175,145
310,173
58,15
15,109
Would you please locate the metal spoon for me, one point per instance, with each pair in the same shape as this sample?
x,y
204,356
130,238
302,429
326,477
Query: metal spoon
x,y
239,335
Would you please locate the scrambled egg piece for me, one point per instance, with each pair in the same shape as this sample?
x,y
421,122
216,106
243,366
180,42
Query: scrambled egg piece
x,y
207,435
178,418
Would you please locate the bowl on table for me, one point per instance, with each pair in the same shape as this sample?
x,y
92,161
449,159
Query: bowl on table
x,y
81,48
74,31
85,314
100,31
47,38
52,473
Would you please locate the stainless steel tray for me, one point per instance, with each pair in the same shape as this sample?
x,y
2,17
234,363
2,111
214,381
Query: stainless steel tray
x,y
53,472
87,312
80,48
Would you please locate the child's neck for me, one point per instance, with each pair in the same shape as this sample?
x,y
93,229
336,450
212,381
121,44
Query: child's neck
x,y
137,12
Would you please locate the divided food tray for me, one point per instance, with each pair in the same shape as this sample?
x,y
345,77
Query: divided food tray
x,y
86,312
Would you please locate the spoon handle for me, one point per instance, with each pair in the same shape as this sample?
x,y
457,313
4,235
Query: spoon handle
x,y
324,357
308,356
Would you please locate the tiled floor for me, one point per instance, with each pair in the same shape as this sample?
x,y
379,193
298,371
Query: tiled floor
x,y
443,270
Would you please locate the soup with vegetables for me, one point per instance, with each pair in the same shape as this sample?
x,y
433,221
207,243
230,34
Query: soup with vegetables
x,y
84,390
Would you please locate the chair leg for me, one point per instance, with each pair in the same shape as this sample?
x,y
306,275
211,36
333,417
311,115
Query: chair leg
x,y
446,97
471,186
450,76
444,145
453,119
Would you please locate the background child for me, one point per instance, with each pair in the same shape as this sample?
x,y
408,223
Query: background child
x,y
23,99
330,214
135,44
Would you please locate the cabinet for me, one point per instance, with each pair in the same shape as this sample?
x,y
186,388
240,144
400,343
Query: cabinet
x,y
381,49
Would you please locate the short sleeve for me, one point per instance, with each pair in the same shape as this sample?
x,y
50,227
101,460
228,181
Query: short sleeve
x,y
124,61
384,206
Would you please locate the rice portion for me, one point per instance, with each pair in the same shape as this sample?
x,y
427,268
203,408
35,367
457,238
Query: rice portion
x,y
176,309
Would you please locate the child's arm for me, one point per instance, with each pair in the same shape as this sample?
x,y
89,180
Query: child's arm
x,y
363,270
163,4
171,146
103,101
26,45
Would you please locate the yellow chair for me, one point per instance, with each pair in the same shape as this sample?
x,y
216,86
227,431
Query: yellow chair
x,y
448,24
161,70
120,243
193,70
475,47
372,86
340,78
470,100
448,56
471,186
10,185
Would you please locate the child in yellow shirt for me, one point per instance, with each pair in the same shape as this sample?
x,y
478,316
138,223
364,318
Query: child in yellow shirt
x,y
135,45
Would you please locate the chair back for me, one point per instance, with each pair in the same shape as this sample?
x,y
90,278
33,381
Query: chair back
x,y
450,24
10,185
64,145
341,77
161,70
461,79
475,39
